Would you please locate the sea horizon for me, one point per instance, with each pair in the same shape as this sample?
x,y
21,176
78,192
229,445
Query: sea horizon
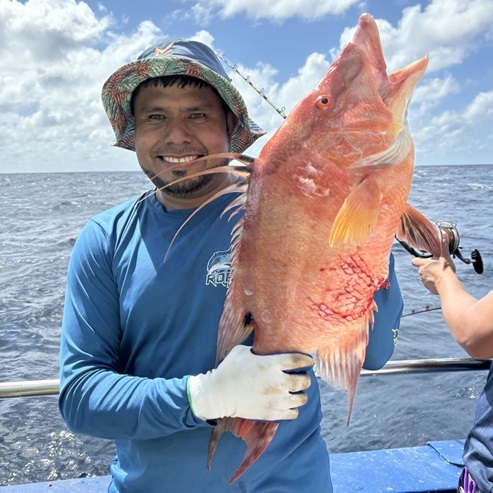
x,y
138,170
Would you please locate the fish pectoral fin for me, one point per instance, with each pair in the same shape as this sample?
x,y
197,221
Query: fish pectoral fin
x,y
236,322
233,330
256,434
419,232
357,219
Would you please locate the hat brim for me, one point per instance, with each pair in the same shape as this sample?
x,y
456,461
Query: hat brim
x,y
117,96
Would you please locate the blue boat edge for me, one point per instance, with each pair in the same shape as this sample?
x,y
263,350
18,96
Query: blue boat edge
x,y
434,467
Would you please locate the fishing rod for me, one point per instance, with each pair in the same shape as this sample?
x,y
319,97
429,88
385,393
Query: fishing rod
x,y
261,92
426,309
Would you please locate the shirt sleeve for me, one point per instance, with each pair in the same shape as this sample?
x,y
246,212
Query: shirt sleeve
x,y
383,334
95,397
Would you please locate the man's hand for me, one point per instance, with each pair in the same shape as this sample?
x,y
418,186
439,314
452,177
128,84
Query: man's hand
x,y
432,270
248,386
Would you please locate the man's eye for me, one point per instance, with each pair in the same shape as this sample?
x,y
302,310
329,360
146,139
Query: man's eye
x,y
196,116
156,117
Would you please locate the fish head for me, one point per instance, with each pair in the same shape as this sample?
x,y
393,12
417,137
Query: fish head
x,y
356,115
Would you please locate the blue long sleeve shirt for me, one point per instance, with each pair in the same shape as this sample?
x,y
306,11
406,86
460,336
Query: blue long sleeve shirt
x,y
135,326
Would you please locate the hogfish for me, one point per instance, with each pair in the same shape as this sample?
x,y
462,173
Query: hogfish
x,y
326,196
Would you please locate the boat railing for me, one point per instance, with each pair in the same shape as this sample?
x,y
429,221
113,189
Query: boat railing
x,y
33,388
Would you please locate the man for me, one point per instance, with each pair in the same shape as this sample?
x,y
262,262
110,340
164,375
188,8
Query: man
x,y
470,321
139,333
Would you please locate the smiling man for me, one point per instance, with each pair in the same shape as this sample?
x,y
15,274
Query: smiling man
x,y
177,120
139,333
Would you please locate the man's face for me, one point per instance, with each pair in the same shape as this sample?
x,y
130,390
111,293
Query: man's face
x,y
175,125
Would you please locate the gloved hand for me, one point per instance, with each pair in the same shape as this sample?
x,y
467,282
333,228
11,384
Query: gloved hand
x,y
245,385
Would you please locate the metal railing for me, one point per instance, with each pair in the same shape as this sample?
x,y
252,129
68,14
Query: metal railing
x,y
430,366
32,388
27,388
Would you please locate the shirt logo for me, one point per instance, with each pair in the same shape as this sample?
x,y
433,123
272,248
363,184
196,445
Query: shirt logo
x,y
395,333
219,269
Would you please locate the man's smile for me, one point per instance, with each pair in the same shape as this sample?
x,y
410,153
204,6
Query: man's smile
x,y
179,160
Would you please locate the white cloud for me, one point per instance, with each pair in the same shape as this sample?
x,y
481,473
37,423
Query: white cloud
x,y
480,109
202,14
447,30
204,37
308,77
273,10
45,30
433,90
55,57
465,131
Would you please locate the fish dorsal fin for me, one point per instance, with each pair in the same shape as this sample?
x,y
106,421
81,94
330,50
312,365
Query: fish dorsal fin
x,y
357,218
419,232
235,324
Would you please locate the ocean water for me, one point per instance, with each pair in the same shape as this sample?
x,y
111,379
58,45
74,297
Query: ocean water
x,y
42,215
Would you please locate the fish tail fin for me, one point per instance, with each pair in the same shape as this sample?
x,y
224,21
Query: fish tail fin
x,y
419,232
256,434
341,366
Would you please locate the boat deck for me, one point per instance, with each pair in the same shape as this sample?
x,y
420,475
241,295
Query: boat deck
x,y
434,467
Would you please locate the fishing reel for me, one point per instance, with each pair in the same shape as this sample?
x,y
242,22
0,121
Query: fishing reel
x,y
452,233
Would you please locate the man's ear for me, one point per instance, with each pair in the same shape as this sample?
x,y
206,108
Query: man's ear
x,y
231,122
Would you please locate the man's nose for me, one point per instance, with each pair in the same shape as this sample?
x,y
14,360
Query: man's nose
x,y
178,132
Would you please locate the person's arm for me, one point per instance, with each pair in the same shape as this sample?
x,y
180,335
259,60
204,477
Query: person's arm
x,y
470,320
383,334
97,398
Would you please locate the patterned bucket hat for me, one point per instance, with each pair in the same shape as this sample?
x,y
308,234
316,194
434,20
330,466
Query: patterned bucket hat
x,y
180,57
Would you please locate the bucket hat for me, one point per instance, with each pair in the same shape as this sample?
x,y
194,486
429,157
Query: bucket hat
x,y
179,57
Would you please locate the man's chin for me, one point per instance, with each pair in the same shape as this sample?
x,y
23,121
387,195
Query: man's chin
x,y
189,188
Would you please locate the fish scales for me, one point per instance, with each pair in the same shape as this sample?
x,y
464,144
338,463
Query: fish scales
x,y
326,196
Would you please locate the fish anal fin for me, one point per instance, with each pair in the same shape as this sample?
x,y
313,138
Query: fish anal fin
x,y
419,232
357,219
256,434
340,364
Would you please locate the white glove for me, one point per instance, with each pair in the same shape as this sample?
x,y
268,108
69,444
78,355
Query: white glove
x,y
248,386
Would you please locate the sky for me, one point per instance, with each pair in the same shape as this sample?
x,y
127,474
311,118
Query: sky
x,y
56,54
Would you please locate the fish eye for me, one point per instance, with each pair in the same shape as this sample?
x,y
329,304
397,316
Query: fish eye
x,y
324,102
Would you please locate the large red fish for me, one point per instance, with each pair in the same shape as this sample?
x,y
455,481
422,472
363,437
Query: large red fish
x,y
326,197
